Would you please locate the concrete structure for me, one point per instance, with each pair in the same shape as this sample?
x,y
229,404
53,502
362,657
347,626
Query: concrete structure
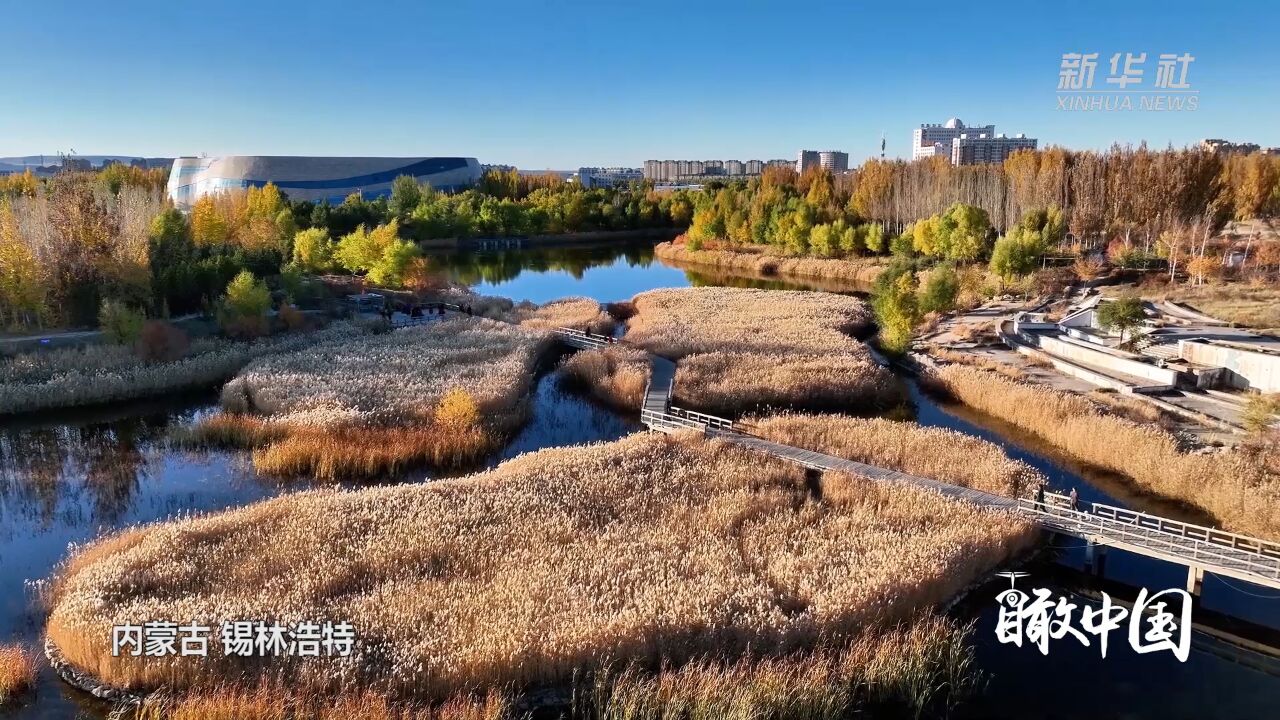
x,y
932,139
970,150
965,144
834,161
591,177
1246,368
314,178
806,159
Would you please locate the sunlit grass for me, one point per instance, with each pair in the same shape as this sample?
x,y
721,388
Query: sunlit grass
x,y
1240,490
650,550
743,349
17,672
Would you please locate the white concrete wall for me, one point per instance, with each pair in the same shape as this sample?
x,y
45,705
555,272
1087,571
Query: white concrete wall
x,y
1106,361
1247,369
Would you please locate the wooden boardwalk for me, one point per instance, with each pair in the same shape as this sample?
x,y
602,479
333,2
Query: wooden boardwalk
x,y
1200,549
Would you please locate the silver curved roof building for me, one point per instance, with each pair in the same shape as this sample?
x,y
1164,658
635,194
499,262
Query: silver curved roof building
x,y
313,178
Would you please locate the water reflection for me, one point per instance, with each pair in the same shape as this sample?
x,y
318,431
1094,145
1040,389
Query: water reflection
x,y
72,476
606,272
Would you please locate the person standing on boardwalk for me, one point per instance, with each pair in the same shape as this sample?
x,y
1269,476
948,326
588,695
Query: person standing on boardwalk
x,y
1040,496
1075,500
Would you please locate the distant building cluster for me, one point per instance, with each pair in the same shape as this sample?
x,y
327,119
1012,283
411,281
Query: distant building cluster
x,y
590,177
966,145
1217,145
672,171
834,161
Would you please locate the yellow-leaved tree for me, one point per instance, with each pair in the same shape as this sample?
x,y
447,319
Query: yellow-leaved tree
x,y
22,294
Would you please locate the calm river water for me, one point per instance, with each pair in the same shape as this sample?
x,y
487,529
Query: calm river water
x,y
68,478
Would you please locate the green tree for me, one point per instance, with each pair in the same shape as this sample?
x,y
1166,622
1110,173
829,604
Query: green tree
x,y
874,237
390,269
247,296
1122,314
313,250
406,193
360,250
940,290
1016,253
120,323
894,303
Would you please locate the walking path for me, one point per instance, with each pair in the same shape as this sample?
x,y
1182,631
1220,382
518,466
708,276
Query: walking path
x,y
1200,549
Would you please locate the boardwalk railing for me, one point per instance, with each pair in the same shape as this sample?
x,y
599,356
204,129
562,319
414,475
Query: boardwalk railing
x,y
1056,513
1201,533
584,340
1198,547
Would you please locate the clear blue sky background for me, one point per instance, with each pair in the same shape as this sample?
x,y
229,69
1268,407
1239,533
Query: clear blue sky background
x,y
557,84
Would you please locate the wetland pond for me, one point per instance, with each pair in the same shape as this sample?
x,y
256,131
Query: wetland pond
x,y
68,477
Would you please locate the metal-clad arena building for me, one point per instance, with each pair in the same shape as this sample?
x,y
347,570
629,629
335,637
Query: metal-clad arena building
x,y
313,178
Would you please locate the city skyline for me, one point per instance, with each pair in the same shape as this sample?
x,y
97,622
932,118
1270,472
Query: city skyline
x,y
513,85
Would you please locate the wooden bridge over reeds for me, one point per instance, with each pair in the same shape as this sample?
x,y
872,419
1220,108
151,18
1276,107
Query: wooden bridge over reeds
x,y
1198,548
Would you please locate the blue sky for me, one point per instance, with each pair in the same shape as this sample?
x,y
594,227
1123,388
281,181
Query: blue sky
x,y
557,84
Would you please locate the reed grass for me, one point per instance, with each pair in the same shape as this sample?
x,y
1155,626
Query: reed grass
x,y
742,349
936,453
615,375
651,550
579,313
378,407
1240,490
88,376
17,672
926,663
731,383
762,262
275,702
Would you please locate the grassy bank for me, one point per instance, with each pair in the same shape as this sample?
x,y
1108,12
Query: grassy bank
x,y
650,552
1240,489
761,261
441,394
741,350
97,374
935,453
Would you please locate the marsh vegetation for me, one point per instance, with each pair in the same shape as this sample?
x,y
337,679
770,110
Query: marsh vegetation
x,y
650,552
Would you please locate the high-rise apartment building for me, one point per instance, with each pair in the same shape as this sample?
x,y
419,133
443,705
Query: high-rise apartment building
x,y
970,150
966,144
834,161
806,159
935,139
681,170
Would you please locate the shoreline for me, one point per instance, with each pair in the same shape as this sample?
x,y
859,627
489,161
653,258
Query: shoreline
x,y
861,272
567,239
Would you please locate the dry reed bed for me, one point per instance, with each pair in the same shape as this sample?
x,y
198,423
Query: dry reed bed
x,y
616,375
936,453
650,550
580,313
862,271
394,378
441,395
100,374
1239,490
17,672
743,349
